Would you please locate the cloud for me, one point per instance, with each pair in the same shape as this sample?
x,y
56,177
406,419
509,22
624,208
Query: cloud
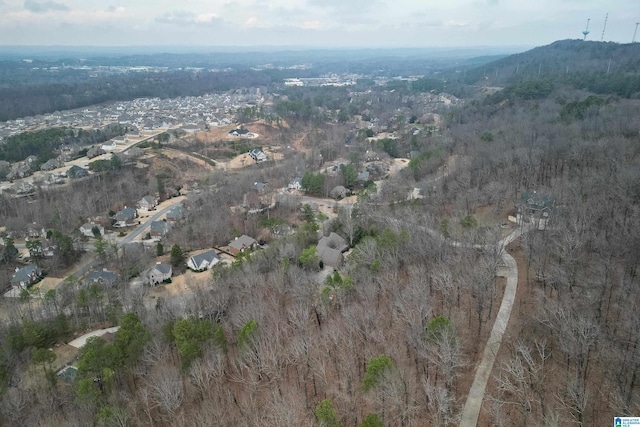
x,y
186,18
36,6
115,9
345,6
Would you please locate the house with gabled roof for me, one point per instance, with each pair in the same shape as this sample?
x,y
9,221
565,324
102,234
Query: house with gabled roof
x,y
26,276
147,203
87,229
258,155
159,229
36,231
103,278
241,244
157,273
296,184
203,261
125,217
536,208
76,171
175,214
330,249
239,132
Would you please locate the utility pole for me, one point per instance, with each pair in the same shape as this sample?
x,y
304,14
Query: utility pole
x,y
605,26
633,40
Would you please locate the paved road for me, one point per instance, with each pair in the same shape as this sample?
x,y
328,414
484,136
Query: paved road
x,y
143,225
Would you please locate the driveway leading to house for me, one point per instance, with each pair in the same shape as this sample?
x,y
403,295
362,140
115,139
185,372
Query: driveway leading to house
x,y
476,394
81,341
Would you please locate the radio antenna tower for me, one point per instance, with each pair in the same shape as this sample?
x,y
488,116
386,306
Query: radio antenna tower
x,y
634,33
586,30
605,26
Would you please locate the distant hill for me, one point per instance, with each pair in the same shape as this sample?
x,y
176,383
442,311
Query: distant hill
x,y
561,58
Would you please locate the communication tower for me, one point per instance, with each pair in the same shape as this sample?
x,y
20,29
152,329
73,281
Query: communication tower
x,y
604,27
586,30
634,33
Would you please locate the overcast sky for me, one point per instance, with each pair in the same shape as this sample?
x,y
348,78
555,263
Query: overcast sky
x,y
312,23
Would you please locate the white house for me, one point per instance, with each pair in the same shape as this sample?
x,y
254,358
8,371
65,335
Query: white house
x,y
109,146
296,184
203,261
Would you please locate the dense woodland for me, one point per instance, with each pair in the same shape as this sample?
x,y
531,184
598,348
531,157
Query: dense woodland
x,y
393,337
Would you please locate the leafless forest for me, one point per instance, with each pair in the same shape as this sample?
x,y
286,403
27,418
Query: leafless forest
x,y
267,342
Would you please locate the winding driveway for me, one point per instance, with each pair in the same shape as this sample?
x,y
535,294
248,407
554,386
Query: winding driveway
x,y
475,397
476,394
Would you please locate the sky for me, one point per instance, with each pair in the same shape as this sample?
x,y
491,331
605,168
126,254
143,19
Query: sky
x,y
312,23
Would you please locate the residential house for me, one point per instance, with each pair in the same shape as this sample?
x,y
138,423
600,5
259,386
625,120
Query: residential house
x,y
120,139
103,278
157,274
330,249
23,187
242,243
19,171
125,217
94,152
159,229
190,128
52,164
87,229
339,192
239,132
175,214
109,146
363,176
296,184
36,231
203,261
26,276
258,155
76,171
536,208
259,186
52,179
147,203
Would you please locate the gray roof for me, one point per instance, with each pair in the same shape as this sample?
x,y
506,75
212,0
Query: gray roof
x,y
205,256
103,277
333,241
25,273
89,226
161,227
76,171
534,200
330,256
175,212
125,214
363,176
162,268
243,241
149,200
